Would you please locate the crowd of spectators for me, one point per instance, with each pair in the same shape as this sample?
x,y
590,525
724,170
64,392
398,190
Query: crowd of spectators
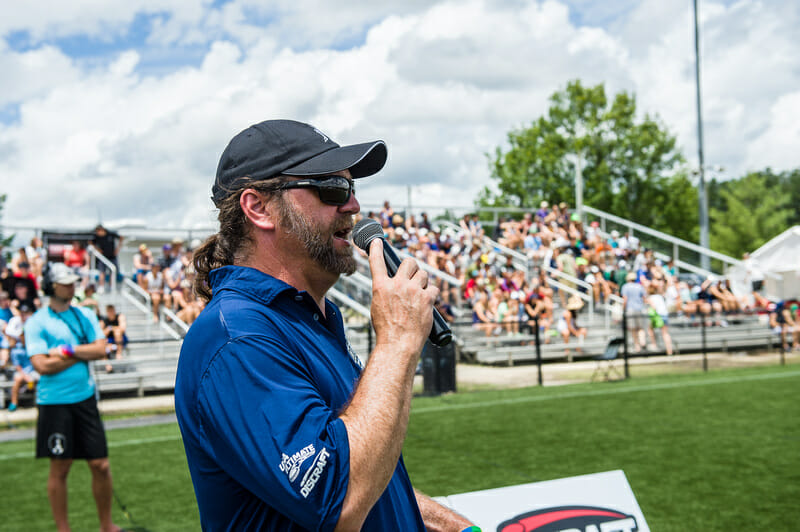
x,y
168,280
563,256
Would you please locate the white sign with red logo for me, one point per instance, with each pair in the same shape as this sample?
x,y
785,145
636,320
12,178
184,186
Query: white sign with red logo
x,y
600,502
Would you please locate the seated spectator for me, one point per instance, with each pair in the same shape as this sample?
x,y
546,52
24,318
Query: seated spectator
x,y
188,305
23,289
565,262
482,318
19,257
537,309
115,326
165,260
37,257
155,285
424,223
564,218
5,316
471,287
689,301
708,301
445,309
24,374
142,263
754,276
567,325
76,257
783,323
506,316
543,211
88,299
26,276
601,288
722,292
386,214
533,245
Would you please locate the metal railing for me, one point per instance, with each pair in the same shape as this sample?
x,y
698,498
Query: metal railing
x,y
94,256
678,244
132,288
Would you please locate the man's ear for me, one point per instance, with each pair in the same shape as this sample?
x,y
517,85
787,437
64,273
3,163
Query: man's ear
x,y
258,209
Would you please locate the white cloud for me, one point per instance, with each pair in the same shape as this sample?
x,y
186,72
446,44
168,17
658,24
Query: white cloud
x,y
442,83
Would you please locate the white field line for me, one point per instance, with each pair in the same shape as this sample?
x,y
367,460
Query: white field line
x,y
111,445
500,402
604,391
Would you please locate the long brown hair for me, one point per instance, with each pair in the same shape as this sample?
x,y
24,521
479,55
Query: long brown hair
x,y
234,238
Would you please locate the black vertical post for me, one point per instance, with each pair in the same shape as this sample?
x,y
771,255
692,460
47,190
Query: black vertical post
x,y
625,342
538,347
369,336
703,333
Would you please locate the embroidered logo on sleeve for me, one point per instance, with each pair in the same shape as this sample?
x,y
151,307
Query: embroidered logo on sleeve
x,y
291,464
354,356
314,473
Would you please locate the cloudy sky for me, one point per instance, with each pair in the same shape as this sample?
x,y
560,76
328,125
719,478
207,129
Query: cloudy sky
x,y
118,110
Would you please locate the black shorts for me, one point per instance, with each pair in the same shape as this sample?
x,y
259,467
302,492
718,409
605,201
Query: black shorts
x,y
71,431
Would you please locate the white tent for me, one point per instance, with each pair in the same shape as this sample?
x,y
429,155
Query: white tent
x,y
778,261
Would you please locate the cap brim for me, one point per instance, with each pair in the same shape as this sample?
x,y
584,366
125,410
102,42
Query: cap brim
x,y
361,159
67,279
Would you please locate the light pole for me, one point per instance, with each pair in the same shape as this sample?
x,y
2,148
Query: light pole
x,y
579,185
577,159
700,173
705,263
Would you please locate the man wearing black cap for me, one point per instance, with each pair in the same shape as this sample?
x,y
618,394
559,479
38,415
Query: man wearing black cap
x,y
283,428
61,340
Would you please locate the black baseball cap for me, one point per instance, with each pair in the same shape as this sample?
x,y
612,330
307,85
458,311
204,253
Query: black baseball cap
x,y
287,147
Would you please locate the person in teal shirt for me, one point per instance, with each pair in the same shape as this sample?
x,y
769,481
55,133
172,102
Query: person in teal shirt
x,y
61,340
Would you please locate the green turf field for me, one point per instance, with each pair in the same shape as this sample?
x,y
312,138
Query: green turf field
x,y
716,451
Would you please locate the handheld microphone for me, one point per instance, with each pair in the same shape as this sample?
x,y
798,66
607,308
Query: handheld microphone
x,y
367,230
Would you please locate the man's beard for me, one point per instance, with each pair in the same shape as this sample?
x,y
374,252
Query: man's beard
x,y
320,248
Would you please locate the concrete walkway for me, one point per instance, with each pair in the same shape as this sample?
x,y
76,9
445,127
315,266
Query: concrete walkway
x,y
154,403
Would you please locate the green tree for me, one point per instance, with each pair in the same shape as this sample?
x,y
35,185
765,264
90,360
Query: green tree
x,y
753,213
791,185
4,241
631,167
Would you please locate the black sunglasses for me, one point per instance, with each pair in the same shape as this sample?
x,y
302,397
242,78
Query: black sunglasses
x,y
332,190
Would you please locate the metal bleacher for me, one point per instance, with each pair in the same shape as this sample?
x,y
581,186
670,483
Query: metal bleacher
x,y
743,332
149,362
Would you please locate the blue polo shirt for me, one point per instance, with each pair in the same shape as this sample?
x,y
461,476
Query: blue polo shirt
x,y
262,378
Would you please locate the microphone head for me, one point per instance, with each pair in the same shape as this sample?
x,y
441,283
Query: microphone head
x,y
365,231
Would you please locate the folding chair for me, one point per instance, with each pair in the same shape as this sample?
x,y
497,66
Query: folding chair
x,y
608,357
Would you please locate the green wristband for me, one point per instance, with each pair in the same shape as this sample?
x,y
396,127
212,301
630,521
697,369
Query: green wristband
x,y
472,528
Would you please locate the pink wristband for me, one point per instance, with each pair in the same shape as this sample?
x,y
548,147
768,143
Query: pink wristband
x,y
67,350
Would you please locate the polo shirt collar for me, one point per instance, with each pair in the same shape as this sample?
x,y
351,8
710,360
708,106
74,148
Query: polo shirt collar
x,y
249,282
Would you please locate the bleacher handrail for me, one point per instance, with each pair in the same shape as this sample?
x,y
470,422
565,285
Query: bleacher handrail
x,y
96,255
177,321
662,236
423,265
349,302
